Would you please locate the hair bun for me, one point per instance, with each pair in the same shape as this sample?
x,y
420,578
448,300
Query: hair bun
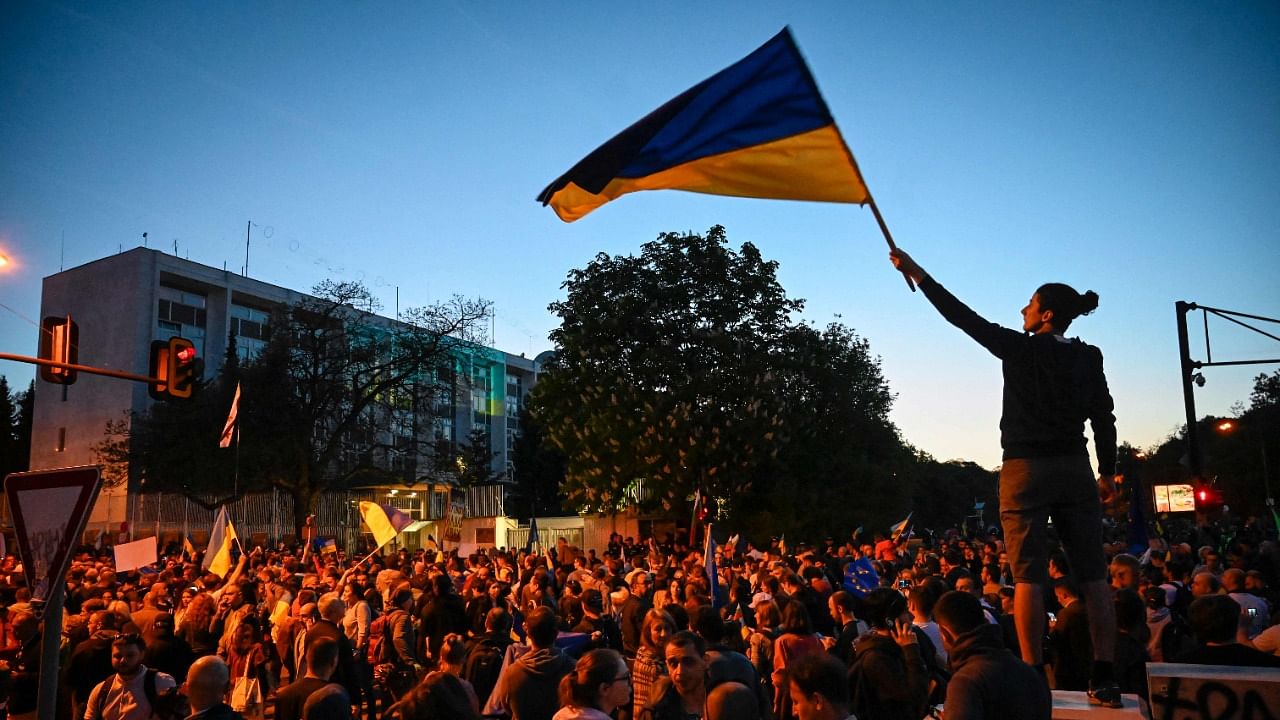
x,y
1088,302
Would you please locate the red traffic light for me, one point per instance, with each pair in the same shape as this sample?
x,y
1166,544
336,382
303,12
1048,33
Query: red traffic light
x,y
186,355
175,366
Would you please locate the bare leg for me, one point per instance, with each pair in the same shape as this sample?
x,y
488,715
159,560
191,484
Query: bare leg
x,y
1102,619
1028,618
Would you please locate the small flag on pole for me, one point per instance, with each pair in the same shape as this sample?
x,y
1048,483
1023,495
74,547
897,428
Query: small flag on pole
x,y
188,548
713,578
757,129
217,559
229,429
901,527
328,545
533,536
384,521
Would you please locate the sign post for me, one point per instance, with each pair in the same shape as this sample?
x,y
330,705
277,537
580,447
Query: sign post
x,y
50,508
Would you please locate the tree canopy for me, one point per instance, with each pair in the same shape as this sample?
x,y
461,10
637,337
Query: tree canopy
x,y
683,367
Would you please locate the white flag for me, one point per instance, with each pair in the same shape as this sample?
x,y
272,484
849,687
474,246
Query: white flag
x,y
229,429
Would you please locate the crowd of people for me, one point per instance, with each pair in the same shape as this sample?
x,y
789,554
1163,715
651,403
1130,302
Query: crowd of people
x,y
874,629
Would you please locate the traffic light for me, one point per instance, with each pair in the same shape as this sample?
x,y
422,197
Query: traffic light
x,y
60,342
1208,499
175,367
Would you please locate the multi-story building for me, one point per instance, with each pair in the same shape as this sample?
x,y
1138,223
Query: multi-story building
x,y
123,303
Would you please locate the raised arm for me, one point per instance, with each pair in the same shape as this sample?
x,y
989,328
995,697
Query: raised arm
x,y
999,341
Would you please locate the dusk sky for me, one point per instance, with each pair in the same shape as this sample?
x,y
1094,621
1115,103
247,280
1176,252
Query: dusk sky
x,y
1131,148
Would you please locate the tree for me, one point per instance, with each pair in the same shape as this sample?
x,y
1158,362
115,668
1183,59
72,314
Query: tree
x,y
1266,391
473,460
341,395
9,451
681,368
537,471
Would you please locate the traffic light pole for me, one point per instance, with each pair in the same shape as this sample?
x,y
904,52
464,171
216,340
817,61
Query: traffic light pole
x,y
81,368
1194,458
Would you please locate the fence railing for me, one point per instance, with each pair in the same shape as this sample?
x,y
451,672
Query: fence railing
x,y
519,537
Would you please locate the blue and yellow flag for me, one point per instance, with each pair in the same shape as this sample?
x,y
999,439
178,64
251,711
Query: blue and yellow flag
x,y
758,129
384,521
217,559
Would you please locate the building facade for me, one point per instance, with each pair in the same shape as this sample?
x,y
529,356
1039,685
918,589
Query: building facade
x,y
124,302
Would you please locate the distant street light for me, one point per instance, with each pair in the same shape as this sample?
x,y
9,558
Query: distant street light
x,y
1227,427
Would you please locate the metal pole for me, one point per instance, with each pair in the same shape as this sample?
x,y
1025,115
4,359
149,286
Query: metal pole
x,y
1188,392
50,643
247,226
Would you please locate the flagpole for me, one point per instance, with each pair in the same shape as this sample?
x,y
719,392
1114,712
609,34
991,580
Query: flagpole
x,y
875,210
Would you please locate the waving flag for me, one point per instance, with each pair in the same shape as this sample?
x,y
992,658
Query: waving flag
x,y
217,559
860,577
901,527
384,521
533,535
229,430
758,129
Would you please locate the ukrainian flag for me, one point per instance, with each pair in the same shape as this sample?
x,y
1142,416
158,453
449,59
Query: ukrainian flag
x,y
217,559
384,521
758,128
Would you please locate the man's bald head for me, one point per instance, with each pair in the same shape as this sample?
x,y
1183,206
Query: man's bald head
x,y
207,682
732,701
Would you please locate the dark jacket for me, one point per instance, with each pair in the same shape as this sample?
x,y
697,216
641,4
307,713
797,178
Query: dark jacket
x,y
989,683
527,688
291,698
887,681
346,674
1051,386
1072,648
221,711
89,665
632,615
664,703
169,654
444,614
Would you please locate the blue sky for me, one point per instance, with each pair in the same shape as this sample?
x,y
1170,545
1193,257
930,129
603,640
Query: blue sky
x,y
1130,148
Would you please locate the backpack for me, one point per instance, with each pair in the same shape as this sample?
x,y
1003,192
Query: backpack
x,y
1175,638
481,668
378,637
166,707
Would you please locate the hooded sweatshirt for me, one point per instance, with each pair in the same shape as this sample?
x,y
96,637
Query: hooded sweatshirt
x,y
527,688
987,681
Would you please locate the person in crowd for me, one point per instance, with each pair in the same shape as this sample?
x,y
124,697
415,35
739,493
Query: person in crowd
x,y
1052,385
1253,609
987,681
1070,638
167,652
683,693
818,688
486,652
453,653
322,661
888,679
208,680
526,689
330,702
90,661
332,612
599,684
732,701
133,692
849,627
440,696
1215,620
796,640
650,665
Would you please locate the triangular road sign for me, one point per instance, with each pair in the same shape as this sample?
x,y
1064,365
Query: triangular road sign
x,y
49,509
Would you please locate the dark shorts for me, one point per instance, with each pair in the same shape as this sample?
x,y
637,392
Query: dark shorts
x,y
1032,490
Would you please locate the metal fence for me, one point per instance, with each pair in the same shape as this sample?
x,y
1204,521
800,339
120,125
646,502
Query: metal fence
x,y
519,537
268,517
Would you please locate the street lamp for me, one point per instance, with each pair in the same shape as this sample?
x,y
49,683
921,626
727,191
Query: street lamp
x,y
1228,426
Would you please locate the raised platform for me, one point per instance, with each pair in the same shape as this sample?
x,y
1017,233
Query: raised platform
x,y
1074,705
